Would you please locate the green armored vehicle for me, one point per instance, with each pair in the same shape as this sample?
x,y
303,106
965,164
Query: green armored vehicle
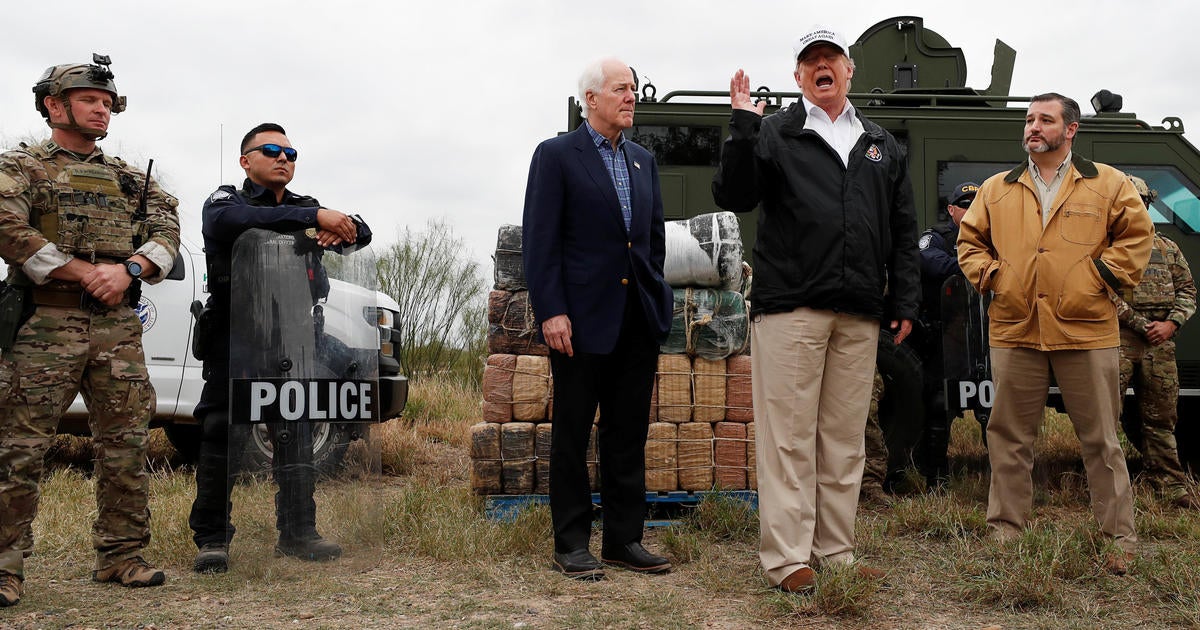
x,y
912,82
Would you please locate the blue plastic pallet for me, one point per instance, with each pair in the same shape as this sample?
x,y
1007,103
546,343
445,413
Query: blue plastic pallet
x,y
504,507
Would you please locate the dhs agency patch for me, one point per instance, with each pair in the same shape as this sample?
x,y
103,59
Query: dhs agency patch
x,y
147,313
874,154
926,239
219,195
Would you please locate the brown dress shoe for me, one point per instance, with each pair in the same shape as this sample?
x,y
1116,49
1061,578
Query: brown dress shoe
x,y
1117,563
801,580
870,573
1187,501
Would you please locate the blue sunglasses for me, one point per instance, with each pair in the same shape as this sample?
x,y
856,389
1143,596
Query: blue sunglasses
x,y
273,151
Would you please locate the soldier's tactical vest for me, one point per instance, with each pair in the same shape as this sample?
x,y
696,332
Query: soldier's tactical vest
x,y
85,208
1155,294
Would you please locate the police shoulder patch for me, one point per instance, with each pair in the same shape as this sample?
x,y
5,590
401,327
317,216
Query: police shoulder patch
x,y
926,239
219,195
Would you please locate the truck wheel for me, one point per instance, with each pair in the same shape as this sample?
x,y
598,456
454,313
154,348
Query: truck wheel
x,y
330,441
1187,434
185,438
901,410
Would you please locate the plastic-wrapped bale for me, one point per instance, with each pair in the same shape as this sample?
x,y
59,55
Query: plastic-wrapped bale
x,y
498,387
751,458
541,451
661,452
516,449
739,392
695,456
531,388
674,388
485,458
704,251
593,459
708,389
510,269
729,455
707,323
512,328
654,401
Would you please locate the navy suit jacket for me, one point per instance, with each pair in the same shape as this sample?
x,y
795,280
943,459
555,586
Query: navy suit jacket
x,y
578,256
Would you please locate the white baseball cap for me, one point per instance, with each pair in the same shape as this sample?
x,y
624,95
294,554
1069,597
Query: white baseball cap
x,y
818,34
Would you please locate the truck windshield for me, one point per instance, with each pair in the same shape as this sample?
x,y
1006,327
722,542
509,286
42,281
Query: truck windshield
x,y
1178,200
680,145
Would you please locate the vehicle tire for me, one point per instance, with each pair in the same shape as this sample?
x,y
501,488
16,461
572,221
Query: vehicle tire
x,y
330,441
185,438
901,410
1187,434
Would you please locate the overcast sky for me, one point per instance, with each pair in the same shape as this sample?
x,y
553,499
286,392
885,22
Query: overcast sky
x,y
409,111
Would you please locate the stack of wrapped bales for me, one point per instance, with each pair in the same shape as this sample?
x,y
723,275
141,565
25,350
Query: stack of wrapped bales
x,y
700,433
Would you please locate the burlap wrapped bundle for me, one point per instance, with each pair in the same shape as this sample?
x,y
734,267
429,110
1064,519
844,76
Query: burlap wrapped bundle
x,y
751,458
541,453
708,323
593,459
531,388
708,389
509,268
695,456
661,453
674,388
516,449
497,387
512,328
485,458
739,394
729,455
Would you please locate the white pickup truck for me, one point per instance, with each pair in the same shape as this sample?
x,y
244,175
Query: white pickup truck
x,y
176,374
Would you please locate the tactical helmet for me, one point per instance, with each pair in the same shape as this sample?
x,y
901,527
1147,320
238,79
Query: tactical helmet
x,y
56,81
1145,192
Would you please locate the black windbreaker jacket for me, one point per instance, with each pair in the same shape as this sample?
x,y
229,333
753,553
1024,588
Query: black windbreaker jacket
x,y
830,237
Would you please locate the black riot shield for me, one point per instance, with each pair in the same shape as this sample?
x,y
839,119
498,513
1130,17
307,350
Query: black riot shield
x,y
965,360
304,379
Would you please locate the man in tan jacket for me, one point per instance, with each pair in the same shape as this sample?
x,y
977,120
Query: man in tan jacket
x,y
1051,239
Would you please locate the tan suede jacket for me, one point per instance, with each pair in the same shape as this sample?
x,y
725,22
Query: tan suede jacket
x,y
1051,287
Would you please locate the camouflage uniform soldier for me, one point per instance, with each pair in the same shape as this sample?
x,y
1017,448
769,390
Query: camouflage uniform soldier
x,y
876,468
79,231
1150,317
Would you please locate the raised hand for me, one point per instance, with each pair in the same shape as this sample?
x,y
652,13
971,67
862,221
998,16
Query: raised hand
x,y
739,94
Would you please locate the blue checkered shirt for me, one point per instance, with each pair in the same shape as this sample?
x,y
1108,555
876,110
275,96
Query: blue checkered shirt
x,y
618,169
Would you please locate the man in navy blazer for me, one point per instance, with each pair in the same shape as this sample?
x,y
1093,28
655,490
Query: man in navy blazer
x,y
593,251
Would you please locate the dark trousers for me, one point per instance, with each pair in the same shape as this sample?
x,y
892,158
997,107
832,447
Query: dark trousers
x,y
292,468
621,383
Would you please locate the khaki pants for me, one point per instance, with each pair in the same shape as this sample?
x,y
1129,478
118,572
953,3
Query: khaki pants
x,y
812,388
1088,380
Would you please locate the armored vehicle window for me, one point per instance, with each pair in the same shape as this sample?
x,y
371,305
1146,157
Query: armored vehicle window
x,y
1178,200
680,145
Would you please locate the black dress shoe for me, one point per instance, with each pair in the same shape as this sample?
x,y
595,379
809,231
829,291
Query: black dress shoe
x,y
634,557
578,565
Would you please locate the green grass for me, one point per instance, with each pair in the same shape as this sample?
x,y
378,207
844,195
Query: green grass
x,y
420,553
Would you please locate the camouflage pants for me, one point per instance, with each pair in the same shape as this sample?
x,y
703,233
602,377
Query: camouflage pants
x,y
61,351
1152,372
876,468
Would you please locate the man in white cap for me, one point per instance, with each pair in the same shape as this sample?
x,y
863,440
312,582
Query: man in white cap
x,y
837,226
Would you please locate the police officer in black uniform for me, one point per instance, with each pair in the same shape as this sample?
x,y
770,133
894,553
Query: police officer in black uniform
x,y
939,261
264,201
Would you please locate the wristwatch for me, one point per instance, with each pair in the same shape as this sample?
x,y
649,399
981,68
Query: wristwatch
x,y
133,268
